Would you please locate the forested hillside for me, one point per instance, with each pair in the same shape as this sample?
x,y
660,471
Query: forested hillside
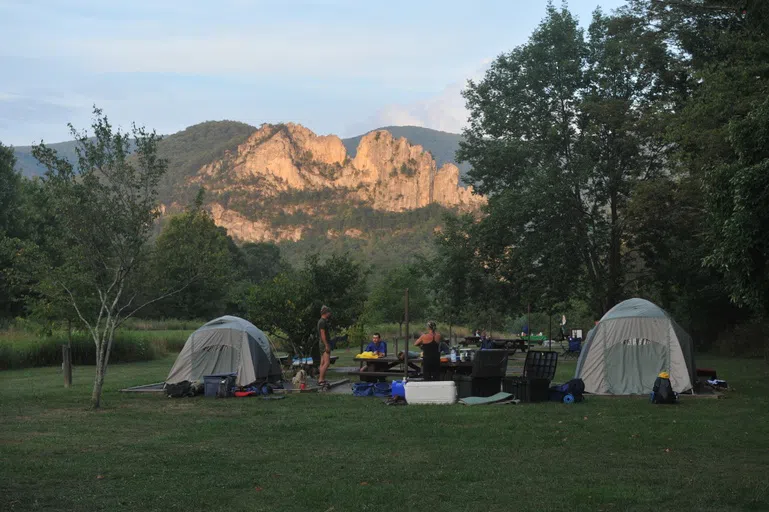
x,y
192,148
197,145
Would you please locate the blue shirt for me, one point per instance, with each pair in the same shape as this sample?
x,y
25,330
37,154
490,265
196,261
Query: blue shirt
x,y
377,347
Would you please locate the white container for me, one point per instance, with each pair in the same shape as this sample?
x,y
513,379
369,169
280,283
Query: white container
x,y
442,392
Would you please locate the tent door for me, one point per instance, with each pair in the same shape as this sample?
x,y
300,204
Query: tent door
x,y
633,365
214,360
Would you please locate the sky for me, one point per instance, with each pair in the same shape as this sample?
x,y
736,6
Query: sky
x,y
335,66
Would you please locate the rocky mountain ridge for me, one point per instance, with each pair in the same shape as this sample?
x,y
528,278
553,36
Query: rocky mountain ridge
x,y
291,172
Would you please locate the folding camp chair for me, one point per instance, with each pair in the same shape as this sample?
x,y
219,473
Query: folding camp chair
x,y
573,349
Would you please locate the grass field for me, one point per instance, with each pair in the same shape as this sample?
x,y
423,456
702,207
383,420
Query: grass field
x,y
339,453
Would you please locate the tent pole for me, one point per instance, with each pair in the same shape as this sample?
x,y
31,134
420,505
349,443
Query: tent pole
x,y
406,344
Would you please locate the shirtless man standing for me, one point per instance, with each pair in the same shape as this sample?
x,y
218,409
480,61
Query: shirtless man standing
x,y
325,346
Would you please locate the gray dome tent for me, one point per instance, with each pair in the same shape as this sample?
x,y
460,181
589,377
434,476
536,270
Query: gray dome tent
x,y
226,345
630,346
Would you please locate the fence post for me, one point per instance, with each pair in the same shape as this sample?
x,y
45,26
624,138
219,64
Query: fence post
x,y
66,356
406,344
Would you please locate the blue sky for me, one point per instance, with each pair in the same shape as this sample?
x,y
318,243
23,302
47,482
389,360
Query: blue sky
x,y
336,66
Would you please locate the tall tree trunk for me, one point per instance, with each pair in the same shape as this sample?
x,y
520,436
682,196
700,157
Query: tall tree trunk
x,y
614,286
98,381
591,261
67,361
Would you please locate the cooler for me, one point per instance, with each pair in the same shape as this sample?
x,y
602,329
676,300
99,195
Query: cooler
x,y
440,392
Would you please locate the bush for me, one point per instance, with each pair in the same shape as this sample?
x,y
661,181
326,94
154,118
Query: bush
x,y
20,349
140,324
744,340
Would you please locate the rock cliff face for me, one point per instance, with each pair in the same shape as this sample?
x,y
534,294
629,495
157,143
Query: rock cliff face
x,y
280,161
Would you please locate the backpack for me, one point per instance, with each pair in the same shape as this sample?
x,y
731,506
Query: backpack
x,y
575,386
662,392
180,390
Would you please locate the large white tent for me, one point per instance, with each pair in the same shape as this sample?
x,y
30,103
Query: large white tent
x,y
635,341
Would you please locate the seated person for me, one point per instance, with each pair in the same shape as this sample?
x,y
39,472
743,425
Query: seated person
x,y
488,344
377,345
444,348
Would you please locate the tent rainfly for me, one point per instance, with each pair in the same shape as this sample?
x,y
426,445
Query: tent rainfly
x,y
630,346
226,345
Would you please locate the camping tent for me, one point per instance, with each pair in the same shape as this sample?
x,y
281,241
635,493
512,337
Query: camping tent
x,y
630,346
226,345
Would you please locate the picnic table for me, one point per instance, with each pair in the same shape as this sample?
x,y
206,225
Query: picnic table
x,y
391,366
381,367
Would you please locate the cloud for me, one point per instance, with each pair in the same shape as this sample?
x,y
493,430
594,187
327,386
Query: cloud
x,y
15,107
254,43
445,111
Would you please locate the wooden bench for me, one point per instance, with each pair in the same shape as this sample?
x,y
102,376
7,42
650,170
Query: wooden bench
x,y
378,376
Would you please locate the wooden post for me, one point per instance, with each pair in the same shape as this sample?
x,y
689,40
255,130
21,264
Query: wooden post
x,y
550,327
406,345
66,356
528,334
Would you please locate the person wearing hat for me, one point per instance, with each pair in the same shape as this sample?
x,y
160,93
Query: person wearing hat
x,y
431,355
325,345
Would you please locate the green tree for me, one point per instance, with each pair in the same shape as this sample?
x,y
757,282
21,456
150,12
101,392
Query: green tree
x,y
667,224
452,267
289,305
106,210
560,130
10,180
195,255
386,300
9,189
738,201
720,135
263,261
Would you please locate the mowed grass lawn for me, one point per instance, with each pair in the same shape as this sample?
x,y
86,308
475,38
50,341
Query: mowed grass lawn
x,y
340,453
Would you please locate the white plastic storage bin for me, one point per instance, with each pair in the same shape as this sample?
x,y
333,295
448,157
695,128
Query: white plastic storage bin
x,y
444,392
